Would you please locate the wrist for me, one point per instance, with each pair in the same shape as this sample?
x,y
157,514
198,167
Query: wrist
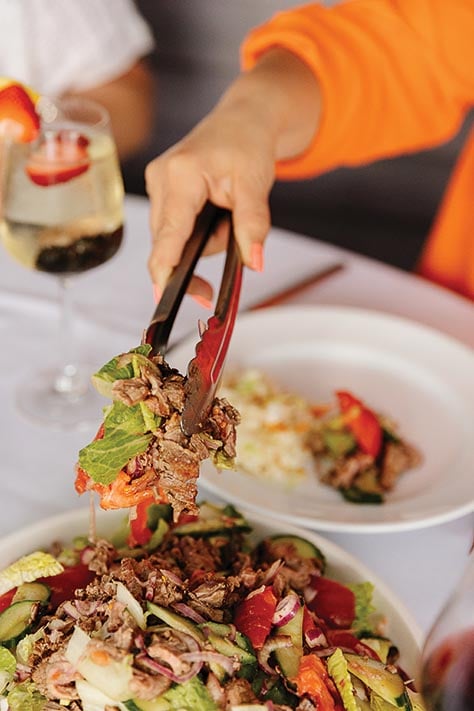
x,y
280,94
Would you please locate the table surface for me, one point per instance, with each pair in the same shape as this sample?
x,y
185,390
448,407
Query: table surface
x,y
112,305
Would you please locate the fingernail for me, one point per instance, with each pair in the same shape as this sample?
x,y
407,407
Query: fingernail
x,y
202,301
157,293
256,257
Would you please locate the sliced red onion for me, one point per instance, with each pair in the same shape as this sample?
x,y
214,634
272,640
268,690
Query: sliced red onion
x,y
71,610
257,591
229,664
272,571
286,609
189,641
86,607
279,642
166,671
315,638
188,611
172,577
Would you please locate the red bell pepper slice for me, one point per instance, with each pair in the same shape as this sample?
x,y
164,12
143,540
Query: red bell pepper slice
x,y
333,602
313,680
362,422
253,616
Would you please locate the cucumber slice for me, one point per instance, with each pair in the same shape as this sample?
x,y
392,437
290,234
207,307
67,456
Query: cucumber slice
x,y
384,683
32,591
213,520
16,619
177,622
288,658
357,496
303,547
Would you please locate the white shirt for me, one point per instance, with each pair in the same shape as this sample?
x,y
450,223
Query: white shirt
x,y
60,45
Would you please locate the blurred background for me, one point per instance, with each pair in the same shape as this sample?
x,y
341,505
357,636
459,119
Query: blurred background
x,y
383,210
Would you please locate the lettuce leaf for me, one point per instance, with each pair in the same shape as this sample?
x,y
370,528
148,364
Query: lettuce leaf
x,y
363,606
104,458
116,369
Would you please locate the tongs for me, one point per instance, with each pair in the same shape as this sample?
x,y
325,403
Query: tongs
x,y
204,370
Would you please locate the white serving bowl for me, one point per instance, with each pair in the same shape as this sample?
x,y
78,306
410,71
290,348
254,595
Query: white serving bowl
x,y
401,628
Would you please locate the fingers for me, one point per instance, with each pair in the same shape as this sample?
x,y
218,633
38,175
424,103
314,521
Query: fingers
x,y
227,162
251,217
176,200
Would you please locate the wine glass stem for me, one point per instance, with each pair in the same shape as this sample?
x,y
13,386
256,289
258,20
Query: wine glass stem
x,y
67,380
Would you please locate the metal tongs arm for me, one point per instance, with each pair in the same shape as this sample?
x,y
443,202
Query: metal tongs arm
x,y
205,368
158,332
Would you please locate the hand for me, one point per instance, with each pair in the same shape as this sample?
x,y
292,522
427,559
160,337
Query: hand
x,y
268,114
228,159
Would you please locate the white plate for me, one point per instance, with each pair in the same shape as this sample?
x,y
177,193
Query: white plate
x,y
401,629
418,376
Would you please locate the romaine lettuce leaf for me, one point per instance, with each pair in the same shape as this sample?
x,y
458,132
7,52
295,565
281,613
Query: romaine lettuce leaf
x,y
104,458
363,606
115,369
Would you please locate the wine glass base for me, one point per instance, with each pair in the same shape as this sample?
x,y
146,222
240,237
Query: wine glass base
x,y
63,400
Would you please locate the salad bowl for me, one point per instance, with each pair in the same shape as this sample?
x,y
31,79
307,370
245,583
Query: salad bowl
x,y
398,626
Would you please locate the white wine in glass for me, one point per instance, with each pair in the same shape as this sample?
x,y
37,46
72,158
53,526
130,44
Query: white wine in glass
x,y
62,214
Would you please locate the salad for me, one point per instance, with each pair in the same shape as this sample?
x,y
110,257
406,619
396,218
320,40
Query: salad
x,y
201,618
282,437
140,454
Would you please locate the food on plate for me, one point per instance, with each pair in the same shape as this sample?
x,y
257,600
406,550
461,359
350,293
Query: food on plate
x,y
358,451
140,454
282,437
201,618
274,424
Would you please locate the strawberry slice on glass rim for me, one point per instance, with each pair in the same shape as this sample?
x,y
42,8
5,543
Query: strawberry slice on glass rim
x,y
19,120
59,157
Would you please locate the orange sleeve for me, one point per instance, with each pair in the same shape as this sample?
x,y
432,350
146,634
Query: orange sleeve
x,y
395,75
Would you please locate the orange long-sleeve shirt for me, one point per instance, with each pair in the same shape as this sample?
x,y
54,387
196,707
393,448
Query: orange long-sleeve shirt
x,y
395,76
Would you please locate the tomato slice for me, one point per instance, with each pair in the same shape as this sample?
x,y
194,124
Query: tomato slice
x,y
333,602
140,534
253,616
64,585
6,599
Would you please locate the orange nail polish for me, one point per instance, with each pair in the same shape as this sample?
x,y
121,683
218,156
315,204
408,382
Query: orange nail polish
x,y
256,257
157,293
202,301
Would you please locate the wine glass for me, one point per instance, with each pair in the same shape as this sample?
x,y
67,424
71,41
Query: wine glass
x,y
447,673
62,214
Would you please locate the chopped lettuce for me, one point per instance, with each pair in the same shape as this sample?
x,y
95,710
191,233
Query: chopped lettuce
x,y
27,569
338,671
127,429
25,697
7,667
104,458
190,696
363,606
118,368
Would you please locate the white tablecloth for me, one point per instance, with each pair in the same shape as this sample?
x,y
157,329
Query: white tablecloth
x,y
114,303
